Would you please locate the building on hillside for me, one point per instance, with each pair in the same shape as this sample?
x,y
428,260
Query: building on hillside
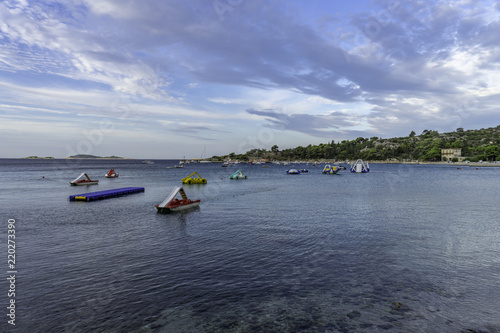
x,y
449,153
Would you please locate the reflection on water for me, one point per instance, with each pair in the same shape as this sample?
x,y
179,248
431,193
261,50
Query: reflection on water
x,y
400,249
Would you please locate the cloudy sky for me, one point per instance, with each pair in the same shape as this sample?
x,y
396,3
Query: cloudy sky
x,y
196,78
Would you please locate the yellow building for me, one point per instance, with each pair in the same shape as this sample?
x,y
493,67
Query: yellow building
x,y
449,153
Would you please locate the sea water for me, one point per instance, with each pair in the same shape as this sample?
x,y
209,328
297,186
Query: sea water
x,y
403,248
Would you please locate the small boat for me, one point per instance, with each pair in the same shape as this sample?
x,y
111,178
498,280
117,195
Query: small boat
x,y
332,170
147,162
179,165
111,174
225,164
83,179
194,178
172,204
293,172
360,167
304,170
238,175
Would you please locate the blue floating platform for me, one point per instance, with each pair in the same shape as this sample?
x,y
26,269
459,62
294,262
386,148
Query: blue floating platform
x,y
100,195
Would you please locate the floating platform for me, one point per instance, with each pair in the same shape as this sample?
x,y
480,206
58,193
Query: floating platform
x,y
100,195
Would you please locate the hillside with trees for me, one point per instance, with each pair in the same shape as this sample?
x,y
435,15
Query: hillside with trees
x,y
482,144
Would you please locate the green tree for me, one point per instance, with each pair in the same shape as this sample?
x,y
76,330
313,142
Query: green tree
x,y
492,152
457,144
434,154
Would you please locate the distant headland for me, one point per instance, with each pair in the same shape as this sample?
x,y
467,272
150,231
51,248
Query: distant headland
x,y
82,156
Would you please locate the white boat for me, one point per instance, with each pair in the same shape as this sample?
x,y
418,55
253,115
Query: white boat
x,y
360,167
179,165
83,179
225,164
172,204
147,162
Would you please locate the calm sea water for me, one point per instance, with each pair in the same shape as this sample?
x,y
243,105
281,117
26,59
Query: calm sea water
x,y
404,248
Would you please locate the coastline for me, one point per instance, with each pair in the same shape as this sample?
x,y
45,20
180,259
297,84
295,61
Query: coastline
x,y
470,164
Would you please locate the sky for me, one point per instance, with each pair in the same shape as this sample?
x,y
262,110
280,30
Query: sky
x,y
167,79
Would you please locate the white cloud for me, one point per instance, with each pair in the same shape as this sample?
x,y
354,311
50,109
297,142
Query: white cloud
x,y
321,100
10,107
227,101
155,64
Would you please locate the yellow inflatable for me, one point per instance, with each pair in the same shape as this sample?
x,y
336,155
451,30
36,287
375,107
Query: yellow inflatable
x,y
194,178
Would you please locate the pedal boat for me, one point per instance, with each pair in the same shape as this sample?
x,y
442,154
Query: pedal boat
x,y
83,179
172,204
111,174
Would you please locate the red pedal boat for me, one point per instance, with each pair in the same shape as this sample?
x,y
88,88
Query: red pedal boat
x,y
172,204
111,174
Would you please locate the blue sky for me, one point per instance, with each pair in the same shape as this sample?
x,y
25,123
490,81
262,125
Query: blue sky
x,y
167,79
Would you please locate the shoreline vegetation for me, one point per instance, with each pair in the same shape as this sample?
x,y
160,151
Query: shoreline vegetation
x,y
476,146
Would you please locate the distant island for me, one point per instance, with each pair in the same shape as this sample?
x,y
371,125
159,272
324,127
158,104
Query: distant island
x,y
83,156
38,157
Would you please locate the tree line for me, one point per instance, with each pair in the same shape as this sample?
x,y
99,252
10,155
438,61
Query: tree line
x,y
483,144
